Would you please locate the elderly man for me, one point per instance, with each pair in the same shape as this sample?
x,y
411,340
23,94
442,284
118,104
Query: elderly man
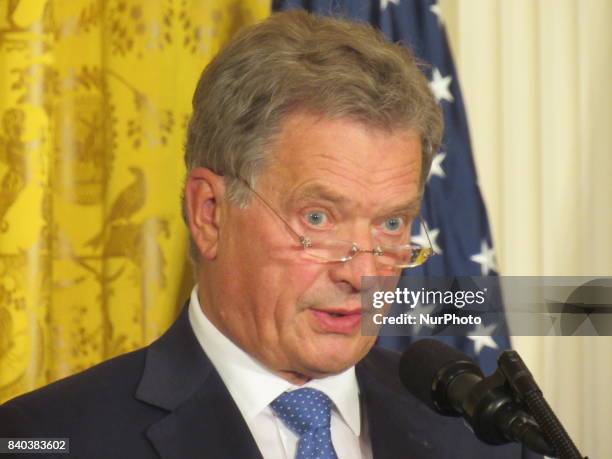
x,y
306,157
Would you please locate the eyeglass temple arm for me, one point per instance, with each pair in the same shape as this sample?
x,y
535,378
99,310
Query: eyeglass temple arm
x,y
301,238
427,235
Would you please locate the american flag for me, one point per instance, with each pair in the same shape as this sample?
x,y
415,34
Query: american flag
x,y
453,208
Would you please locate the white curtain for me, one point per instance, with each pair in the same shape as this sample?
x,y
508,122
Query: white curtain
x,y
537,82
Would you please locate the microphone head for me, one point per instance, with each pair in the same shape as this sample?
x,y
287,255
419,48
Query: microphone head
x,y
428,367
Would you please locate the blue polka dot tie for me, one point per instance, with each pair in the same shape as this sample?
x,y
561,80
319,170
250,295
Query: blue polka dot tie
x,y
307,412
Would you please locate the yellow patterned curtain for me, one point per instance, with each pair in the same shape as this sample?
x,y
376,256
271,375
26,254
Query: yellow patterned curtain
x,y
94,100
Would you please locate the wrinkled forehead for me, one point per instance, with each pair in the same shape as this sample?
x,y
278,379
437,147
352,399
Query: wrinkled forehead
x,y
345,160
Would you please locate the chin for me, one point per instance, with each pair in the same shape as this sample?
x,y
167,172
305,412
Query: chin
x,y
337,356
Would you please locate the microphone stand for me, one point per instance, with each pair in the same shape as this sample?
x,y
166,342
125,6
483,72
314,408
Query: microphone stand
x,y
526,390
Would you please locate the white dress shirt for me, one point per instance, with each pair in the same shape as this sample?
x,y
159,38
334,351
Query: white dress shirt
x,y
253,388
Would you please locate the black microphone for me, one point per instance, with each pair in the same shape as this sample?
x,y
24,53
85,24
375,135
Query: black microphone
x,y
450,383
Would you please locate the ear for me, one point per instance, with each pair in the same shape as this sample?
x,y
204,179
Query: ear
x,y
203,192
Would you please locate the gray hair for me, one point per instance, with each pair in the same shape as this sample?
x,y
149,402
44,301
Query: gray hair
x,y
296,61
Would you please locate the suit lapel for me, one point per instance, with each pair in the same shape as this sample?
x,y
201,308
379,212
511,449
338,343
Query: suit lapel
x,y
396,422
203,420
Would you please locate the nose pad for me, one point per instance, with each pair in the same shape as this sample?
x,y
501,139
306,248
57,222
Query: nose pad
x,y
352,272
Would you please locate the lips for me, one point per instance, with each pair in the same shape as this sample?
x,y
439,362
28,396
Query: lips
x,y
337,320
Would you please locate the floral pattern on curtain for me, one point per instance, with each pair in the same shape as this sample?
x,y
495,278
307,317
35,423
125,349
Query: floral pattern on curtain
x,y
95,96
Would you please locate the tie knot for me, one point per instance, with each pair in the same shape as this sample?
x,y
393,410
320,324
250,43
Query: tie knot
x,y
303,410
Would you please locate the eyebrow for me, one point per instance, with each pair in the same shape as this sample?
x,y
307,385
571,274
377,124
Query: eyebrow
x,y
411,207
320,191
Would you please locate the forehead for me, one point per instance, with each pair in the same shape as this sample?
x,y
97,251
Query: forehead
x,y
346,158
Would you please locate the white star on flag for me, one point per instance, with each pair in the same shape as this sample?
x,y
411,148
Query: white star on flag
x,y
421,238
422,310
482,337
435,9
486,258
439,85
385,3
436,166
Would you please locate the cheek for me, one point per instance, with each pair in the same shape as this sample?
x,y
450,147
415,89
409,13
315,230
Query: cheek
x,y
263,266
296,287
273,291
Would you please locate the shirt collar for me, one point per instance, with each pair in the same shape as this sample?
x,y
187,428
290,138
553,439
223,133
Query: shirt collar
x,y
253,387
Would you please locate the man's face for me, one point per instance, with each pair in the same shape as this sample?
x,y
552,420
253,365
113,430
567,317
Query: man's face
x,y
334,179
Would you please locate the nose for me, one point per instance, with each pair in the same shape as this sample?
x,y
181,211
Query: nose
x,y
362,265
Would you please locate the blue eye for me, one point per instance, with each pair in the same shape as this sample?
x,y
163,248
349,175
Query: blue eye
x,y
394,224
316,218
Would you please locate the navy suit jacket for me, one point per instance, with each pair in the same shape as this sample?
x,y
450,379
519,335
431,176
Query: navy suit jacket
x,y
167,401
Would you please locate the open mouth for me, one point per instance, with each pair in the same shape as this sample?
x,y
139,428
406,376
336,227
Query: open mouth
x,y
355,312
337,321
